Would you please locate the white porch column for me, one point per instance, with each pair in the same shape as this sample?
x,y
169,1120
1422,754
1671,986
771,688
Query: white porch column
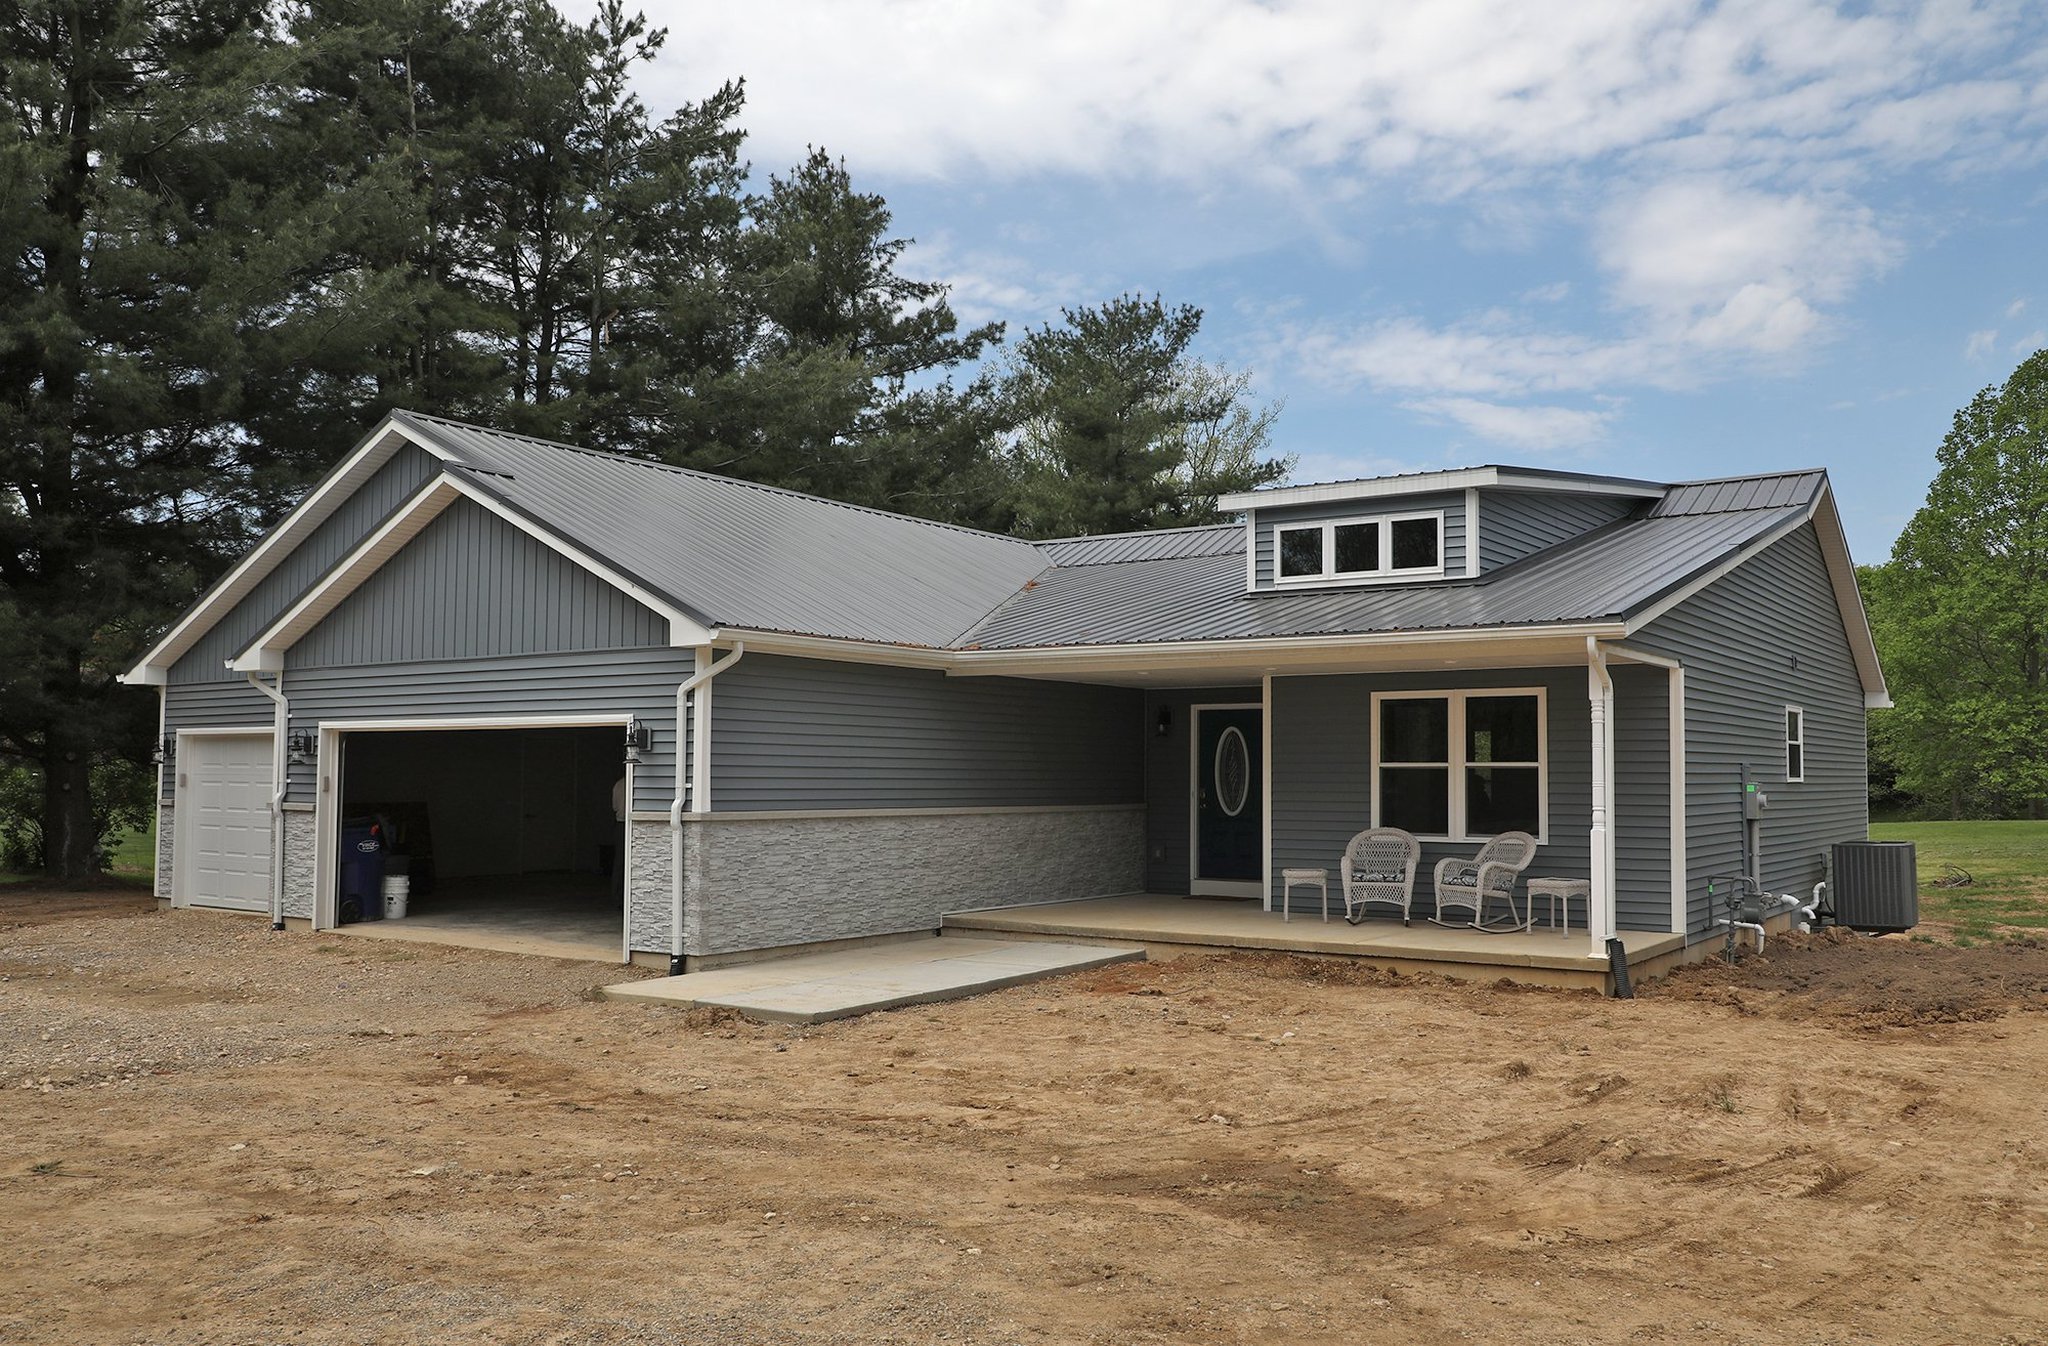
x,y
1600,904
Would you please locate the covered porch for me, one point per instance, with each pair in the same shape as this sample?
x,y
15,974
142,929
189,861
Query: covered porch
x,y
1168,926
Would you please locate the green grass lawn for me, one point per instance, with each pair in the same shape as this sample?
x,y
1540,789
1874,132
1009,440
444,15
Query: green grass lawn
x,y
133,857
2007,860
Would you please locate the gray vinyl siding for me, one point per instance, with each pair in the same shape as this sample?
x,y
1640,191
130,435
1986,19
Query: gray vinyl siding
x,y
608,684
362,511
1642,797
1514,524
1167,787
1322,782
1452,503
806,734
471,586
1738,640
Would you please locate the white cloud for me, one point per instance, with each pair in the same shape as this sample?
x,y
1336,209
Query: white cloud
x,y
1552,293
2031,342
1980,344
1539,428
2015,308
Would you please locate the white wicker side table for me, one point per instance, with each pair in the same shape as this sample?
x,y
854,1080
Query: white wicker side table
x,y
1289,877
1558,892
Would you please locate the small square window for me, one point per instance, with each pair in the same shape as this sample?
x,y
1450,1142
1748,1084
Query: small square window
x,y
1358,547
1415,544
1301,551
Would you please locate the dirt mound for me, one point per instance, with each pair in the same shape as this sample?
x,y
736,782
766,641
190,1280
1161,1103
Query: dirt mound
x,y
1872,983
36,903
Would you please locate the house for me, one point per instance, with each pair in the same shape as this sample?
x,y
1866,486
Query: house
x,y
835,723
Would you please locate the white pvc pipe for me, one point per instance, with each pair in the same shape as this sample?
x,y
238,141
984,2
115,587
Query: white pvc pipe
x,y
279,765
675,808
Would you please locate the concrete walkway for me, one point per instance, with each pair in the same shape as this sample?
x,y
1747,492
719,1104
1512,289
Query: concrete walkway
x,y
815,987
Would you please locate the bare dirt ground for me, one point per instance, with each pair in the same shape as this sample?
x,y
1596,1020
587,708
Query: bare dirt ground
x,y
209,1133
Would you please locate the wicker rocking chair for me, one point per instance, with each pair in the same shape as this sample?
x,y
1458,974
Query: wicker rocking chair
x,y
1379,866
1490,874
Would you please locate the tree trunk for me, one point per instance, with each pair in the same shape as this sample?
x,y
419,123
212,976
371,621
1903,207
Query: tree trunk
x,y
69,838
1955,804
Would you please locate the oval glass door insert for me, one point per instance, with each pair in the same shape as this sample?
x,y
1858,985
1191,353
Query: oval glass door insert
x,y
1233,771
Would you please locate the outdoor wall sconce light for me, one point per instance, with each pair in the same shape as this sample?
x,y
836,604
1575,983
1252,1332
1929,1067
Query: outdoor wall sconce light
x,y
166,750
1165,721
639,739
300,747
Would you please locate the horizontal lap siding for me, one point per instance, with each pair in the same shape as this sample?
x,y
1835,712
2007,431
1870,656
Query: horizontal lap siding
x,y
353,520
1514,524
1452,503
1322,765
1642,798
806,734
471,585
212,705
608,684
1738,640
1167,788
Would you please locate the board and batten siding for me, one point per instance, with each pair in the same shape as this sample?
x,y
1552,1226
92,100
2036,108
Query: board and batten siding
x,y
806,734
1322,782
1452,503
350,523
1515,524
1168,790
471,586
1765,636
600,684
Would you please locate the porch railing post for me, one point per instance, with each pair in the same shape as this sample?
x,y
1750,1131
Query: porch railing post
x,y
1600,901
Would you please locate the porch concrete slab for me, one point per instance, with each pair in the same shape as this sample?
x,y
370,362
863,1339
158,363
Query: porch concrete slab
x,y
813,988
1167,924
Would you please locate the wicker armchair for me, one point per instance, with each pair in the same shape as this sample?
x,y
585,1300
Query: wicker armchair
x,y
1379,866
1491,873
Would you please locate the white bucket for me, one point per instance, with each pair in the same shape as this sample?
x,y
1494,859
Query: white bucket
x,y
397,887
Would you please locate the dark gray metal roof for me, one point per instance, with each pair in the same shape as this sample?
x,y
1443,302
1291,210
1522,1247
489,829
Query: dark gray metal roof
x,y
740,555
1608,574
1771,491
733,553
1222,539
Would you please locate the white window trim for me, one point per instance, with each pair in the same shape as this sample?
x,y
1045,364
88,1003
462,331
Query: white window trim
x,y
1386,574
1457,696
1791,741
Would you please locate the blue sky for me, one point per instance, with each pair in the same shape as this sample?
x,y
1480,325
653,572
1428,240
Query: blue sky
x,y
1661,239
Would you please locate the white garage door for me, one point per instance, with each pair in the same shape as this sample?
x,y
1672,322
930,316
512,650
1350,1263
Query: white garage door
x,y
223,818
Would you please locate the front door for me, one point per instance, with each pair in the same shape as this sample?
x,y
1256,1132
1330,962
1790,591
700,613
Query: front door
x,y
1229,840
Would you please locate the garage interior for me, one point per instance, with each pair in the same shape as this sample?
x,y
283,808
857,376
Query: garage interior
x,y
506,836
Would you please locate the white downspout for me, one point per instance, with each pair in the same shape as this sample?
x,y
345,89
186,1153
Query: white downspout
x,y
157,883
1600,694
704,674
279,784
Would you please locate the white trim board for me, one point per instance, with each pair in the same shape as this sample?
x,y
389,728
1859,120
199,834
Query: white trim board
x,y
1455,479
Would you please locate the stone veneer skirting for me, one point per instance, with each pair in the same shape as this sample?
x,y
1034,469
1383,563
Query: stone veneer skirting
x,y
166,830
762,881
652,897
299,834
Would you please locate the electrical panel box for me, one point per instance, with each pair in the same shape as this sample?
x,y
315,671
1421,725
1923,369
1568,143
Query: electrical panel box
x,y
1754,802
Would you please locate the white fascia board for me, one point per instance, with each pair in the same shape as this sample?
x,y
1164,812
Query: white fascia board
x,y
1420,483
832,647
684,631
1834,550
357,466
1081,659
266,653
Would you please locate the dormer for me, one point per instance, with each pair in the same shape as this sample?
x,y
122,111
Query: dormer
x,y
1421,528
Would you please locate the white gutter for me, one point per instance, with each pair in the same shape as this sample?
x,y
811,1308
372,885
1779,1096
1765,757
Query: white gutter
x,y
704,674
279,783
1600,693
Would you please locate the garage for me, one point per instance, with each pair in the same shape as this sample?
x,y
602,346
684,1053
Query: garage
x,y
223,814
503,836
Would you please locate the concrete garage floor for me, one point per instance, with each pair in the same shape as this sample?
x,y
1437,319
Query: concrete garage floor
x,y
549,915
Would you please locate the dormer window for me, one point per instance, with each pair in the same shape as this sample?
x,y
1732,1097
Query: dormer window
x,y
1386,547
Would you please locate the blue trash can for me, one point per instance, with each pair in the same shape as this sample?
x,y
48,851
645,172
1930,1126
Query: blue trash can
x,y
362,871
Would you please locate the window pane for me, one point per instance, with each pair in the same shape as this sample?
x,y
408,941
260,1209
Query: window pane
x,y
1358,547
1301,551
1500,729
1415,544
1415,730
1795,761
1416,799
1792,734
1500,799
